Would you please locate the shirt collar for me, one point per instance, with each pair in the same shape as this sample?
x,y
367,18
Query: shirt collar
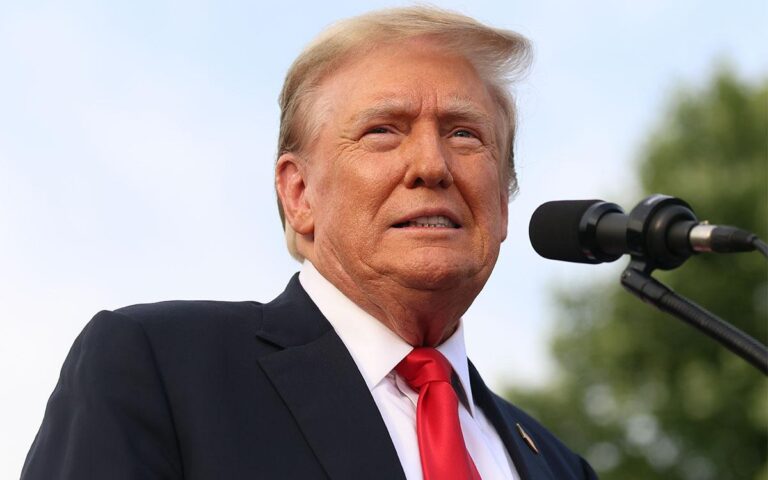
x,y
375,348
454,350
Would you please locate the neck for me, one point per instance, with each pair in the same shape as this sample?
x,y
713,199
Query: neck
x,y
421,317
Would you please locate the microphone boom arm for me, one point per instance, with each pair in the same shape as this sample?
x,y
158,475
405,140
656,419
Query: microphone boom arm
x,y
638,281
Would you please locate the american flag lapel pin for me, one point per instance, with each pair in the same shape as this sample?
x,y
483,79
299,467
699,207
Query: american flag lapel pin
x,y
527,439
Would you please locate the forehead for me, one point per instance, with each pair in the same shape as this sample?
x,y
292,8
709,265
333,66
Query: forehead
x,y
407,78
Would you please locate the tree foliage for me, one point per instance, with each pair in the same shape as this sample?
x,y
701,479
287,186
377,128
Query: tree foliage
x,y
639,393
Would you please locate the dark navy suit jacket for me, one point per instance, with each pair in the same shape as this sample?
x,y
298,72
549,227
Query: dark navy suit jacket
x,y
228,391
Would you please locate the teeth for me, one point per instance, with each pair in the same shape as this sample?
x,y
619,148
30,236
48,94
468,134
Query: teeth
x,y
434,221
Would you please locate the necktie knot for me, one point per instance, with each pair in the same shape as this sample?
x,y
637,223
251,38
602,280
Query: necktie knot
x,y
424,365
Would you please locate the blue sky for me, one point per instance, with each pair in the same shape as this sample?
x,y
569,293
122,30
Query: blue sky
x,y
137,141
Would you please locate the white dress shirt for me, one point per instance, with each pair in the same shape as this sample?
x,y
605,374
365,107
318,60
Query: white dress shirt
x,y
376,351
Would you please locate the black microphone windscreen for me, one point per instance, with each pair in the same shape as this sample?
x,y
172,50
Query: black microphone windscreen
x,y
554,230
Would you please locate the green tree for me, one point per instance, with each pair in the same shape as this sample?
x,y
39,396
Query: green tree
x,y
638,392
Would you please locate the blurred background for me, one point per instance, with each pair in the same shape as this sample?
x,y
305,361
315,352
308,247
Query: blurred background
x,y
137,141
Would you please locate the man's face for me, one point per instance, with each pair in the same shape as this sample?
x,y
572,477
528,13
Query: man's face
x,y
405,178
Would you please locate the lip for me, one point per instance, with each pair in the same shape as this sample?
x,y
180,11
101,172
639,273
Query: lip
x,y
428,212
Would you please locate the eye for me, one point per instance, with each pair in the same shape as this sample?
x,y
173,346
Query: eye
x,y
463,133
380,138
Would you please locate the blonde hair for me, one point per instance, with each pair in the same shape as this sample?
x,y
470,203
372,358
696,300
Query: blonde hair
x,y
499,56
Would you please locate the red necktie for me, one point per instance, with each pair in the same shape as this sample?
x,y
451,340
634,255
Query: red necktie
x,y
441,444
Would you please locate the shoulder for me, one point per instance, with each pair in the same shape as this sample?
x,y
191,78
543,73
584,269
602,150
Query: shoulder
x,y
183,311
168,328
181,316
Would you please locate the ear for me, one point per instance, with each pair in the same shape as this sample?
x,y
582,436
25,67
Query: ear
x,y
291,185
504,206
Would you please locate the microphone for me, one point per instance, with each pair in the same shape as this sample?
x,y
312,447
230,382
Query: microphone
x,y
661,229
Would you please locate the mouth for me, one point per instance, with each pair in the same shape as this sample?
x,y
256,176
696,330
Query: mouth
x,y
431,221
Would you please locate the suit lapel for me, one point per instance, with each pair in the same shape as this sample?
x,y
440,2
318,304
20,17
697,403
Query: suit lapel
x,y
321,385
529,464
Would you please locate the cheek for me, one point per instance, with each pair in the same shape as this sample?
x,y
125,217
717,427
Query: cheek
x,y
367,181
349,199
485,193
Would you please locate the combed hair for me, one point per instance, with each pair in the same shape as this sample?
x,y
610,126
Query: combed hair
x,y
499,56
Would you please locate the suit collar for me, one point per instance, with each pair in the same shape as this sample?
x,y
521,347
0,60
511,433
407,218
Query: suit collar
x,y
321,385
292,318
529,464
375,348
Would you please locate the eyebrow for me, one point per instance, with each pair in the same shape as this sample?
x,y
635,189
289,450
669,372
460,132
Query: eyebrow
x,y
385,107
458,108
464,109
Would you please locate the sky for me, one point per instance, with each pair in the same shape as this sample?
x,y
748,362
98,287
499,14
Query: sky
x,y
137,141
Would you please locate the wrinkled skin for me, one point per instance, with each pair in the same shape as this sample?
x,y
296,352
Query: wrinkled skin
x,y
408,131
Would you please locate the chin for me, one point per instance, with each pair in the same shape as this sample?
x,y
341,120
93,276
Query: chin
x,y
436,273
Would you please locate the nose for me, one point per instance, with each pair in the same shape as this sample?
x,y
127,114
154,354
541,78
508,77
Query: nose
x,y
428,163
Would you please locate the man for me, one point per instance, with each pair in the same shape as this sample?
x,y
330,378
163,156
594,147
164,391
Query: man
x,y
393,178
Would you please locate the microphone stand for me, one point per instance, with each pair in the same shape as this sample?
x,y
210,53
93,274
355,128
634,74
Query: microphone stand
x,y
638,281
